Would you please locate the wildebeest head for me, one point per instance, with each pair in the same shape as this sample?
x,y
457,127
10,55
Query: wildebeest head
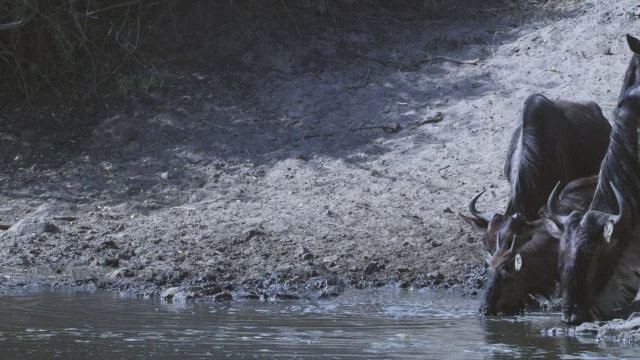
x,y
587,255
494,225
515,272
632,76
507,290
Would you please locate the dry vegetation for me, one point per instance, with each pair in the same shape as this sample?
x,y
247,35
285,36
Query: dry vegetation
x,y
74,46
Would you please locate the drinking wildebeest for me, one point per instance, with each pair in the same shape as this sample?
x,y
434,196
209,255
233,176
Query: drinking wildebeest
x,y
557,141
517,271
599,254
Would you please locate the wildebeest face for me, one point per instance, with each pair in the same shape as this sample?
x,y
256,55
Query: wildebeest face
x,y
586,256
585,263
506,286
494,226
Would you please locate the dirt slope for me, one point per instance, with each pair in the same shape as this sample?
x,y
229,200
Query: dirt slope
x,y
293,159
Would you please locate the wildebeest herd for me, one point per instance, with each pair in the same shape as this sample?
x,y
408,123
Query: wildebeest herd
x,y
572,221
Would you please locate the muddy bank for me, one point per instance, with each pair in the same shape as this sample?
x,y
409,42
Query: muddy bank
x,y
281,160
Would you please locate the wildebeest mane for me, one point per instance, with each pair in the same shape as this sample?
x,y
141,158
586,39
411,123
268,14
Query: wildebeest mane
x,y
620,167
630,77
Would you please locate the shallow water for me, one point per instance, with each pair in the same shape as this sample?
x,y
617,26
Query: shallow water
x,y
372,324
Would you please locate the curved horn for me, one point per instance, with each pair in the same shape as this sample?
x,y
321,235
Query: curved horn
x,y
513,244
497,242
622,205
551,206
472,208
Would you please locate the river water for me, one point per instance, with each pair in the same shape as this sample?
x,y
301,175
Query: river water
x,y
360,324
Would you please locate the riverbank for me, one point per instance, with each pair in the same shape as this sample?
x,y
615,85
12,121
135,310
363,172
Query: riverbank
x,y
273,159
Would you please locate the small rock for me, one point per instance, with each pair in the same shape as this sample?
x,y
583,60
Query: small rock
x,y
330,213
554,331
169,293
448,210
435,243
222,297
617,327
250,233
114,274
587,328
301,250
33,225
371,269
470,239
330,259
287,297
633,315
164,175
435,275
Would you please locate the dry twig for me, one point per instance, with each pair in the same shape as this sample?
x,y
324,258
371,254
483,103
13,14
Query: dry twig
x,y
430,120
388,129
413,65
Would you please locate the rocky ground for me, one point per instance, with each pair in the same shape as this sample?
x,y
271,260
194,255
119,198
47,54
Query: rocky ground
x,y
277,158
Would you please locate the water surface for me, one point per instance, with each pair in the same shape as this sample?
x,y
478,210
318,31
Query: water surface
x,y
371,324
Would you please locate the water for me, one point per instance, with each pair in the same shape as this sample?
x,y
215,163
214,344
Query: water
x,y
375,324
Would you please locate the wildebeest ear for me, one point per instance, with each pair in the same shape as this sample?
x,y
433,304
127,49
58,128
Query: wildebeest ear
x,y
552,228
608,230
518,262
634,44
477,223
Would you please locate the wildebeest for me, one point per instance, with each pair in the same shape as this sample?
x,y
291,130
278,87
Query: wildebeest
x,y
516,271
599,254
557,141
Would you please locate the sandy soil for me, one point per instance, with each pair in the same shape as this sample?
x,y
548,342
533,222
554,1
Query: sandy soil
x,y
282,159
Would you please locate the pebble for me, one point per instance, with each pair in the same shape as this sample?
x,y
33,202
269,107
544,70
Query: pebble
x,y
330,259
169,293
222,297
